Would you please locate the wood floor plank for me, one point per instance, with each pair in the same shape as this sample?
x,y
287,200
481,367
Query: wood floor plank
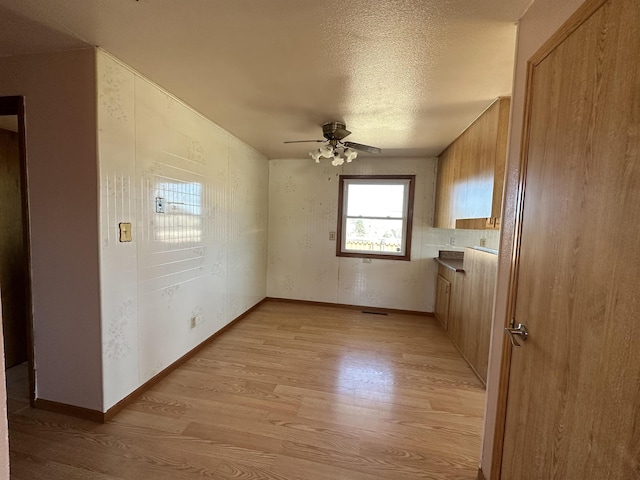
x,y
292,392
28,467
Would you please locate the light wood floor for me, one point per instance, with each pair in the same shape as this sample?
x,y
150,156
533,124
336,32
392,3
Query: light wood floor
x,y
292,392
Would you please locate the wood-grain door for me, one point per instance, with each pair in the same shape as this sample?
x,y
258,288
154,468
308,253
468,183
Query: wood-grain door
x,y
573,408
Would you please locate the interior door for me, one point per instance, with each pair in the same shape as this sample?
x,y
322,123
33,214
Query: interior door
x,y
573,408
13,262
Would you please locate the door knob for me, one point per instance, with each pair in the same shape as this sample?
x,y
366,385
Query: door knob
x,y
519,331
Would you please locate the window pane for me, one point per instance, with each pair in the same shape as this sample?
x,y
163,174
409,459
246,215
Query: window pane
x,y
375,200
365,234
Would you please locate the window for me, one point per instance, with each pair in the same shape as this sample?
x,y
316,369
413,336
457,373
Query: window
x,y
181,220
374,216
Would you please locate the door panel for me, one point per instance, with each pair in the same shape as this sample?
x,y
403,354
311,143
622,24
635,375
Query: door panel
x,y
574,387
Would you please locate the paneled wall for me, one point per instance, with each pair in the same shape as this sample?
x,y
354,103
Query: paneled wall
x,y
303,205
188,271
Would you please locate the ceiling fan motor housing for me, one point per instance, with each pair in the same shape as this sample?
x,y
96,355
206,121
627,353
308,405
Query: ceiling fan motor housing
x,y
335,131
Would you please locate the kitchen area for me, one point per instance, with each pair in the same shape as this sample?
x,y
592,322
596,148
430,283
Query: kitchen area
x,y
469,189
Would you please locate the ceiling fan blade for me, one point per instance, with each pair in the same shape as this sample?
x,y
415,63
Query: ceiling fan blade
x,y
363,148
304,141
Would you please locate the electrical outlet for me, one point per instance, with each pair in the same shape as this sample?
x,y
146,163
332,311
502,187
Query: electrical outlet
x,y
332,236
483,242
194,322
452,241
160,207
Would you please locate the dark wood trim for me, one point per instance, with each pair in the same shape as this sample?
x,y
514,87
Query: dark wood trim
x,y
351,307
480,474
15,105
379,256
581,15
409,230
65,409
340,212
114,410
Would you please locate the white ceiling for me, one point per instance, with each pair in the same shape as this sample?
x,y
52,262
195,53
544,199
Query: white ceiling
x,y
404,75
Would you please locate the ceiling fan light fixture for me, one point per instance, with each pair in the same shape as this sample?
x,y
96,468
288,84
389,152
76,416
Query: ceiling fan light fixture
x,y
335,148
337,160
350,154
316,155
326,150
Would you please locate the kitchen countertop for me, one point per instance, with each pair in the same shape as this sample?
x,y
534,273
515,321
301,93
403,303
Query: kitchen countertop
x,y
453,260
487,250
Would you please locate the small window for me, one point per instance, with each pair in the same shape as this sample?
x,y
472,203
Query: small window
x,y
375,215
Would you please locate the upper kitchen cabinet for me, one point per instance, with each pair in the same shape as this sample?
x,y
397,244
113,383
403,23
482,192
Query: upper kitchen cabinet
x,y
471,173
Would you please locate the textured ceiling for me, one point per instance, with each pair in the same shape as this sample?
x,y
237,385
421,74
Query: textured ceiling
x,y
404,75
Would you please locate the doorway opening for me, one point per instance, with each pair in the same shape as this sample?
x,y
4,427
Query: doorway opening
x,y
15,259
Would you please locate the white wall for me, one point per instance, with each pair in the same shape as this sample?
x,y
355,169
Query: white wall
x,y
128,304
542,19
303,206
458,240
209,264
59,91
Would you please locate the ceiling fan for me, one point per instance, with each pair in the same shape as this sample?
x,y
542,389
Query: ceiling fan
x,y
334,133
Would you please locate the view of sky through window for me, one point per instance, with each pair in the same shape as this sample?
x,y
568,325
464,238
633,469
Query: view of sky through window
x,y
374,217
375,200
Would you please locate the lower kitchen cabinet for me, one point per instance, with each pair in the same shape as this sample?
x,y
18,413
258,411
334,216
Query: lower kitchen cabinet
x,y
443,300
464,306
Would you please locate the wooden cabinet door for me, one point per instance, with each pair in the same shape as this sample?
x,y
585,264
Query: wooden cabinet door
x,y
479,290
444,214
573,409
471,171
443,299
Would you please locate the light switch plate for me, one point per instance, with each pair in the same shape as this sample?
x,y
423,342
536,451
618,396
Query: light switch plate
x,y
332,236
125,232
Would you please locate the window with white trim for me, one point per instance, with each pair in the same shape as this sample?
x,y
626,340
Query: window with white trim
x,y
375,215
